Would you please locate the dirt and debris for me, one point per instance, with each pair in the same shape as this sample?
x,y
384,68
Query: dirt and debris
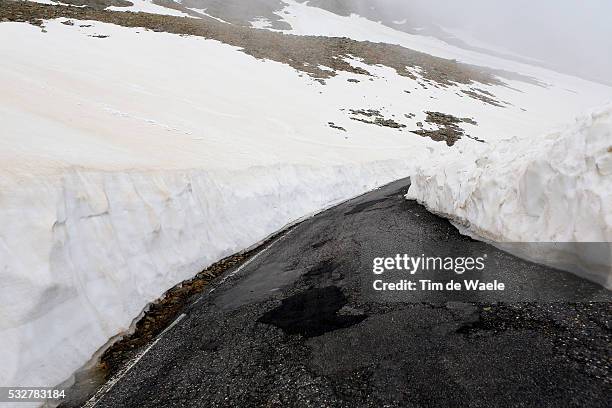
x,y
448,128
579,331
161,313
165,310
374,117
334,126
366,112
485,97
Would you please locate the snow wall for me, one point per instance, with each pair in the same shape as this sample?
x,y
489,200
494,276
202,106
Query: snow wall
x,y
548,199
107,244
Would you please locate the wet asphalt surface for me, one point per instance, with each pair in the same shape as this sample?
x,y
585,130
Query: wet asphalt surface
x,y
300,327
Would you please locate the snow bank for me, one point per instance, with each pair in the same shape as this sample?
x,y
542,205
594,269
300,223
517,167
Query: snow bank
x,y
118,181
556,188
107,244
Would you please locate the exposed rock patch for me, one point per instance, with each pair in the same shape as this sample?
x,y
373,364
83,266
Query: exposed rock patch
x,y
334,126
448,128
374,117
484,96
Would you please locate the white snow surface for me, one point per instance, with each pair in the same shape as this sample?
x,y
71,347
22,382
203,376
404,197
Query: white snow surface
x,y
130,163
147,6
261,23
556,188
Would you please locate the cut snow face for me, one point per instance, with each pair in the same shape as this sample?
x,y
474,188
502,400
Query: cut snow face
x,y
552,189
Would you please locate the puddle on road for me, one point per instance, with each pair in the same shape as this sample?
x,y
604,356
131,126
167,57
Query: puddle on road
x,y
312,313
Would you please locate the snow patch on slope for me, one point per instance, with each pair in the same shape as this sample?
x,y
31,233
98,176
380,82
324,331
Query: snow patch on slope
x,y
147,6
261,23
557,188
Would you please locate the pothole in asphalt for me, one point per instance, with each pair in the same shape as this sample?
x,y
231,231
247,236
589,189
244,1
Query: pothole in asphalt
x,y
312,313
326,273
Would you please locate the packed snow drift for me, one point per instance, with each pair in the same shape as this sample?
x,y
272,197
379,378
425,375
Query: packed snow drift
x,y
553,189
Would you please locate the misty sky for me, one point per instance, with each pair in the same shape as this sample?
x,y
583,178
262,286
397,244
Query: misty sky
x,y
574,34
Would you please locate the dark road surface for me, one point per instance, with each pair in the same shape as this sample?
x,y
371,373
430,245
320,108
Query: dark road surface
x,y
297,327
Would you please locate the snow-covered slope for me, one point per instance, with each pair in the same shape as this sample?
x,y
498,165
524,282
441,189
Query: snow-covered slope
x,y
131,159
137,6
308,20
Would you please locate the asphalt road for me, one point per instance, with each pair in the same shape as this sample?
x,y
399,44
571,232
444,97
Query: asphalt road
x,y
300,326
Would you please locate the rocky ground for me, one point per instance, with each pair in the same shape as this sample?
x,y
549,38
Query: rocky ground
x,y
374,117
448,129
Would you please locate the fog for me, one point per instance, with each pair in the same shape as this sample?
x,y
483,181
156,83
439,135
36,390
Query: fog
x,y
569,35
